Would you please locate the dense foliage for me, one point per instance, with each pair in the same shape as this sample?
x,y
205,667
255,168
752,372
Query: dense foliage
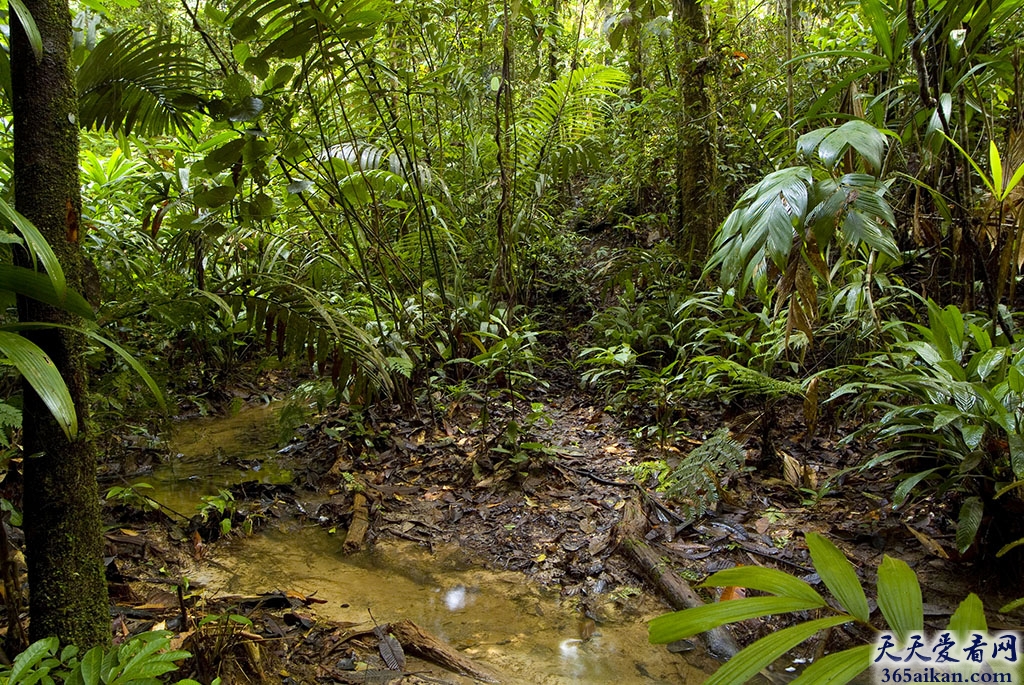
x,y
423,202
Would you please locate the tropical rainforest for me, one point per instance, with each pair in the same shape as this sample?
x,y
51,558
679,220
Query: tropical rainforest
x,y
615,294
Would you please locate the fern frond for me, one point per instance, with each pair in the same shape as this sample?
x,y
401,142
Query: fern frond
x,y
301,321
567,113
744,381
137,83
695,483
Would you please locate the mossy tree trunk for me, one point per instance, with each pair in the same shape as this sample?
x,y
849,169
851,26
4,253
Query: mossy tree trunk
x,y
63,531
695,162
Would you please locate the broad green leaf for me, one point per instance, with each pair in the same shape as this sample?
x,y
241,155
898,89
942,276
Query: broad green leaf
x,y
244,28
257,67
224,156
860,227
354,189
689,622
899,597
747,663
16,516
615,35
954,325
248,109
37,246
1016,442
90,666
904,489
42,675
838,668
809,142
139,662
766,580
32,655
981,337
240,52
996,165
838,574
29,26
969,616
858,134
40,287
973,435
282,75
215,197
1015,379
149,668
117,349
989,361
825,217
970,520
42,375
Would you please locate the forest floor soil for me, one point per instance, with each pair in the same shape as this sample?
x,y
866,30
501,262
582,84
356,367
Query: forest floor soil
x,y
547,509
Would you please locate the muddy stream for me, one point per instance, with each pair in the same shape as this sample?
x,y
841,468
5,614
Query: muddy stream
x,y
520,631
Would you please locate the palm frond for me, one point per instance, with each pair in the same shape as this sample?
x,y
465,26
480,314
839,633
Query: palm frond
x,y
137,83
287,29
565,117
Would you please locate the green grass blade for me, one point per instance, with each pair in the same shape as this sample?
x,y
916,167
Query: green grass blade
x,y
899,597
747,663
42,375
766,580
839,576
689,622
838,668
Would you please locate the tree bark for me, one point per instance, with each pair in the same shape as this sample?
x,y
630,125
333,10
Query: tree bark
x,y
695,163
64,550
629,534
418,642
503,285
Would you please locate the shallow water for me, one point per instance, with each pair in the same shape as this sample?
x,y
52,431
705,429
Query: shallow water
x,y
521,632
211,453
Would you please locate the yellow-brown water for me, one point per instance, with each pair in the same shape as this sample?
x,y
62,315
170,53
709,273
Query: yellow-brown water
x,y
205,456
520,631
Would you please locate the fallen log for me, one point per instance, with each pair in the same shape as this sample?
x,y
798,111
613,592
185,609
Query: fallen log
x,y
355,539
630,535
419,642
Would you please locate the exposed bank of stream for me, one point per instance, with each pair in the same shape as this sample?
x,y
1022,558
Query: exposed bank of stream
x,y
522,632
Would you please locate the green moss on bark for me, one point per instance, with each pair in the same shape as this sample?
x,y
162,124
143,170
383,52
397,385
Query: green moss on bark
x,y
64,549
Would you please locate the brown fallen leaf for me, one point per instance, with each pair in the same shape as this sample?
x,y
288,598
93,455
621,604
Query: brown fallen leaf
x,y
928,543
731,592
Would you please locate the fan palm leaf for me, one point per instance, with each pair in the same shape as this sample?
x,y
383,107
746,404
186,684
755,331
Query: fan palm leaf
x,y
557,135
137,83
288,29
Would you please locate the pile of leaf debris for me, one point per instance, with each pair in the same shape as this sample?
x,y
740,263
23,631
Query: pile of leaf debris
x,y
556,515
